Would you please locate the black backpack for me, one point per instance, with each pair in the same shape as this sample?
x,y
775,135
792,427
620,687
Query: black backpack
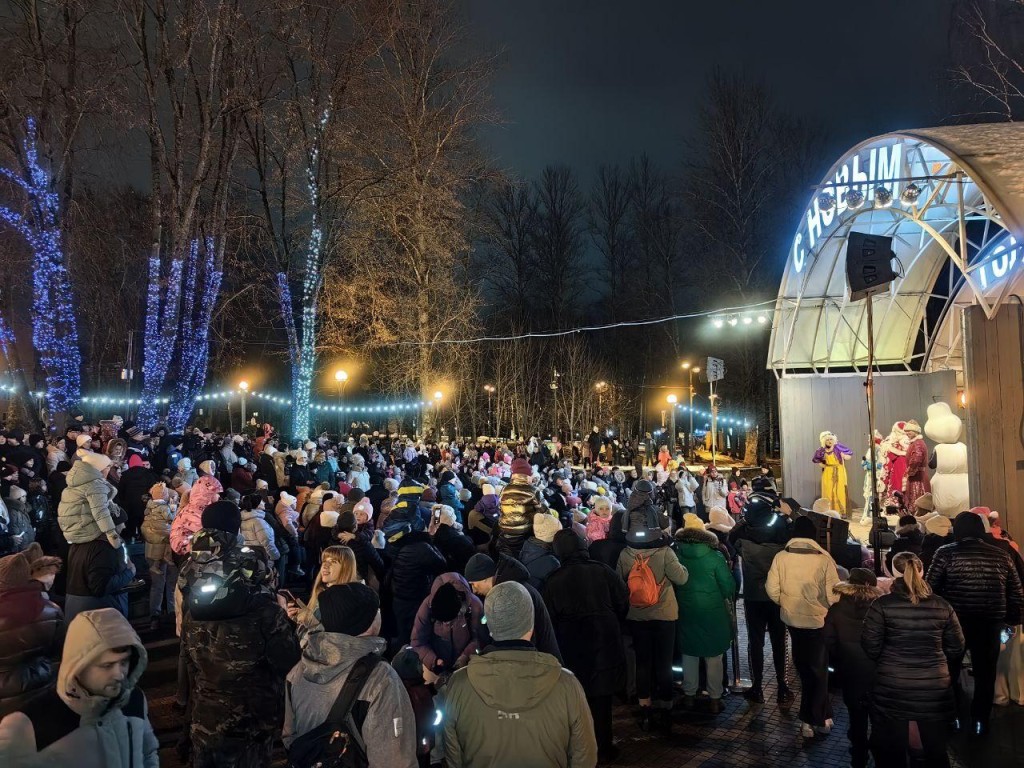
x,y
336,742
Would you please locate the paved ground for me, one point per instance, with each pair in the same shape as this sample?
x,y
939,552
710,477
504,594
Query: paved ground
x,y
743,736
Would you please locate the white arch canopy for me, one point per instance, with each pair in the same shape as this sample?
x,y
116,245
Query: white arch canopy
x,y
957,243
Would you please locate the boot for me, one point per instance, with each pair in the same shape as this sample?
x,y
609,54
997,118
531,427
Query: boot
x,y
644,719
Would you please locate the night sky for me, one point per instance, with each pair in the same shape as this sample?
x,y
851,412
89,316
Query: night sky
x,y
585,82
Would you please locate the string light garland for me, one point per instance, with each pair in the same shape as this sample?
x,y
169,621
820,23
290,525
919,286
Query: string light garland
x,y
54,329
161,334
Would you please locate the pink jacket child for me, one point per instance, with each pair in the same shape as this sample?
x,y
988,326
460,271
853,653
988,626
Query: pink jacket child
x,y
600,519
288,513
207,489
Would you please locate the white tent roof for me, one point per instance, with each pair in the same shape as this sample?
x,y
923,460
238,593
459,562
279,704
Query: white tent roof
x,y
977,170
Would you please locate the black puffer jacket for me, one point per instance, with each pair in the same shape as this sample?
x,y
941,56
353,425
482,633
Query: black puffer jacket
x,y
757,545
844,624
415,562
456,547
912,645
978,580
31,637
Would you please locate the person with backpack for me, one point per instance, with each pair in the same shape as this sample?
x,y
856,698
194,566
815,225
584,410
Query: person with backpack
x,y
342,685
647,565
239,645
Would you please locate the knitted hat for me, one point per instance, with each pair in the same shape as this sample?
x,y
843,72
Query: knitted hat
x,y
480,567
508,609
545,526
349,609
16,493
242,461
15,571
97,460
301,460
390,484
521,467
643,486
262,485
158,491
939,525
690,520
40,563
446,603
447,514
862,577
429,494
363,506
804,528
83,441
309,445
447,476
720,520
408,665
207,467
185,464
222,516
488,489
287,499
602,503
925,503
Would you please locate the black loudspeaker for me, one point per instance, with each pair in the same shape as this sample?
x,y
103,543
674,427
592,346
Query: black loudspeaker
x,y
833,534
868,264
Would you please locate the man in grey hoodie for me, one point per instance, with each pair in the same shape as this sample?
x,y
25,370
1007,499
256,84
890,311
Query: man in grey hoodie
x,y
350,614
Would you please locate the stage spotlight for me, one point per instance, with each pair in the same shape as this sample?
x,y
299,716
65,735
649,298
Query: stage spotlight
x,y
854,199
910,194
826,201
883,197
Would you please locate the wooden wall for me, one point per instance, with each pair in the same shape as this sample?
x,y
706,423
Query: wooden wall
x,y
994,378
811,404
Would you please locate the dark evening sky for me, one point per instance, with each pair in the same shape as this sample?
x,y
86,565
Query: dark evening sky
x,y
586,82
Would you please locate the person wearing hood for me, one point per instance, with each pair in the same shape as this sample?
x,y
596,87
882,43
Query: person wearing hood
x,y
844,624
757,539
132,489
85,509
913,637
449,539
448,493
186,471
536,552
705,628
909,538
96,716
242,478
156,532
31,627
238,642
189,517
651,621
447,624
483,519
267,469
800,580
56,452
349,644
512,705
415,563
587,602
255,530
518,503
982,585
20,523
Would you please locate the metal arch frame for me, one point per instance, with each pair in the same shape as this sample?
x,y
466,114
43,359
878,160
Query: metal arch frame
x,y
953,176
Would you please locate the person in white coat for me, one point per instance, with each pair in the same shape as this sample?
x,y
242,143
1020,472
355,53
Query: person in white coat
x,y
686,486
255,530
716,489
800,581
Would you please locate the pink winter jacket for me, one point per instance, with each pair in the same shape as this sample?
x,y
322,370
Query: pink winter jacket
x,y
597,527
190,517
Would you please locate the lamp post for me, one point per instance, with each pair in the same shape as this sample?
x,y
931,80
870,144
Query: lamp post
x,y
243,387
490,391
672,400
340,376
691,370
437,412
601,386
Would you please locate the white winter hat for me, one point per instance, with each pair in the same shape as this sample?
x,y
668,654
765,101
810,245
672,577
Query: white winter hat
x,y
822,506
238,439
601,502
720,520
390,484
262,485
488,489
83,440
939,525
98,460
185,464
16,493
242,461
301,459
545,526
287,499
207,467
328,518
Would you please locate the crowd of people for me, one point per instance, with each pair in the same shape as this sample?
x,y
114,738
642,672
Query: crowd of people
x,y
378,600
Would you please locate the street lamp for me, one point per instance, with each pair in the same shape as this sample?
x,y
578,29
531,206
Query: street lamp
x,y
601,386
490,391
243,387
672,400
437,412
692,370
340,376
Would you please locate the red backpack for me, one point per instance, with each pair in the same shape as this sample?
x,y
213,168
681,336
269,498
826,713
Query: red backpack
x,y
644,590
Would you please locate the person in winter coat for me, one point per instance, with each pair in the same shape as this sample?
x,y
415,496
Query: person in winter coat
x,y
369,562
686,486
536,552
132,490
908,539
652,625
448,493
518,503
447,623
98,575
415,563
96,716
913,637
186,472
600,519
715,492
156,531
238,651
19,523
300,475
449,539
800,580
31,629
267,468
643,518
983,586
242,478
382,712
85,508
483,519
512,705
844,624
587,602
255,530
189,517
938,533
704,630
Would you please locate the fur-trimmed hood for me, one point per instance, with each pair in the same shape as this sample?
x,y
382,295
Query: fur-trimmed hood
x,y
696,536
857,591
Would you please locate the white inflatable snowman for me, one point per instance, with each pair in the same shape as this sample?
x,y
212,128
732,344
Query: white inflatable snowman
x,y
950,490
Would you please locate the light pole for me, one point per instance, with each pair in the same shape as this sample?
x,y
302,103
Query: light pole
x,y
601,386
243,387
437,412
692,370
672,400
490,391
340,376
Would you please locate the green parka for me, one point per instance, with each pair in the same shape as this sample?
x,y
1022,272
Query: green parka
x,y
704,628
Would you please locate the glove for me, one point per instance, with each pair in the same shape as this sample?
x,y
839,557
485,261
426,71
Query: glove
x,y
114,539
378,540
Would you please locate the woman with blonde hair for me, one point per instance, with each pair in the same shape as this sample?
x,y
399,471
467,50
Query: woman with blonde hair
x,y
912,635
337,566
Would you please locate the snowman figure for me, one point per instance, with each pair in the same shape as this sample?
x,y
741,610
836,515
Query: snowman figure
x,y
950,491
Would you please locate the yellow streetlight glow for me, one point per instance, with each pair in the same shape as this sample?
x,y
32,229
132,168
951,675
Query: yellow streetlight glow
x,y
686,365
672,399
244,386
696,370
438,395
340,375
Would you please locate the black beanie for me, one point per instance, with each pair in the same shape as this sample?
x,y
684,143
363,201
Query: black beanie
x,y
907,520
803,528
348,609
567,542
223,516
355,495
968,525
347,521
446,603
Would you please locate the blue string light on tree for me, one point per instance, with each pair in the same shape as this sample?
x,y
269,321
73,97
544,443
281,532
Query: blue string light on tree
x,y
54,329
163,299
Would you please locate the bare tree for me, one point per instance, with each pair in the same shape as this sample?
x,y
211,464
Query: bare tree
x,y
508,253
559,246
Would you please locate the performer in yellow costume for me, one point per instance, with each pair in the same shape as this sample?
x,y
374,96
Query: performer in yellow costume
x,y
832,456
